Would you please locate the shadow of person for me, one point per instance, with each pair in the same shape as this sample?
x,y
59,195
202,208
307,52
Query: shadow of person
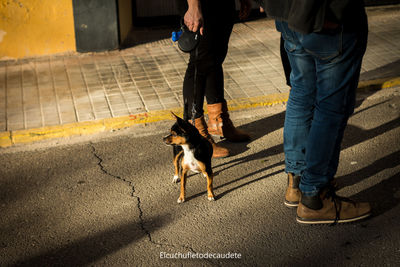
x,y
220,195
354,135
263,154
383,196
89,249
390,161
384,72
264,126
256,129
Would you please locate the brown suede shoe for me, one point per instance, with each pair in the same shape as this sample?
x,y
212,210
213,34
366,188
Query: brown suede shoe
x,y
327,207
293,194
218,151
220,124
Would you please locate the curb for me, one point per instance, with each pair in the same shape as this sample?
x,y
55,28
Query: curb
x,y
11,138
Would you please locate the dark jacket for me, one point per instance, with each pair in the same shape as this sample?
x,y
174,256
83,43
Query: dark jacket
x,y
181,7
307,16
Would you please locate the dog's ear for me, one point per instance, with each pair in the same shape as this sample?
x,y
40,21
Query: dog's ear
x,y
178,119
174,115
181,123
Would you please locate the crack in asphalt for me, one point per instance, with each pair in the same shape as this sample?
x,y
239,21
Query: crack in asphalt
x,y
139,206
103,169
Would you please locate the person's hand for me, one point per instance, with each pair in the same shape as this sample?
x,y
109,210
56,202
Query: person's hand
x,y
245,8
193,18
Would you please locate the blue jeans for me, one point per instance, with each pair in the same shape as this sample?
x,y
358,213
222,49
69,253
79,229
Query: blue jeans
x,y
324,78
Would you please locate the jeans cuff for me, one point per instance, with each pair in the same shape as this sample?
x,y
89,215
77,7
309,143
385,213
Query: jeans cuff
x,y
293,171
308,191
310,194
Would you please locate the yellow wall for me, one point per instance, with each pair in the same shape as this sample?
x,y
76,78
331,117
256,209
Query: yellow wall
x,y
35,27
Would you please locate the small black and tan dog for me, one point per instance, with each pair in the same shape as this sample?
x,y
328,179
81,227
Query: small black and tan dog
x,y
191,152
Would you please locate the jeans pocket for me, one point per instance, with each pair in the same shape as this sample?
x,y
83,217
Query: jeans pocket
x,y
325,47
289,46
288,36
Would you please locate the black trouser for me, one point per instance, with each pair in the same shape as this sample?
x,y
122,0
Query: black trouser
x,y
218,18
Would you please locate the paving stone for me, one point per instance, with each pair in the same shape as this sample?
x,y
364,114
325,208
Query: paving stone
x,y
148,77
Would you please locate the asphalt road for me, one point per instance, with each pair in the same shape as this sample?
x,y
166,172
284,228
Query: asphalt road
x,y
108,199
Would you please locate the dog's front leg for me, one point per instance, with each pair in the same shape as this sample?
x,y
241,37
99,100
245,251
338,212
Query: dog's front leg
x,y
210,191
177,163
183,185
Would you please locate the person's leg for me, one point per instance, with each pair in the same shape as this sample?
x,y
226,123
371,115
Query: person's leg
x,y
219,122
338,58
212,49
299,110
201,63
198,66
353,83
220,33
334,64
300,106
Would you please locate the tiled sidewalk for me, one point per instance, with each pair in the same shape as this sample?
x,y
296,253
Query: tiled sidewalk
x,y
57,90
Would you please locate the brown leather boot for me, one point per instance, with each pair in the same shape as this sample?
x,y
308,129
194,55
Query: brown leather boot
x,y
220,124
218,151
293,194
327,207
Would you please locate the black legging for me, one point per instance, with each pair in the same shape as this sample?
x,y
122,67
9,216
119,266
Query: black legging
x,y
211,52
218,18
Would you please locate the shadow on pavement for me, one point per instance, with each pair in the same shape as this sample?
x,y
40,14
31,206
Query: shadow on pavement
x,y
353,136
387,71
220,195
383,196
389,161
256,129
87,250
